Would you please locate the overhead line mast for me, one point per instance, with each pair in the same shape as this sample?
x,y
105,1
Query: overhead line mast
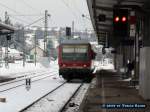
x,y
45,32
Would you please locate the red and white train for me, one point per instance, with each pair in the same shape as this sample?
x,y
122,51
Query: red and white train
x,y
75,60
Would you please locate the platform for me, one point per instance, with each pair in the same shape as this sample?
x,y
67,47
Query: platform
x,y
109,88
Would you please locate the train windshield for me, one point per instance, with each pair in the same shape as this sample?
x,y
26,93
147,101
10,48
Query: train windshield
x,y
72,52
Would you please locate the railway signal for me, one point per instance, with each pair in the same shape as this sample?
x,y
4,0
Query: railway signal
x,y
68,31
120,22
8,37
28,84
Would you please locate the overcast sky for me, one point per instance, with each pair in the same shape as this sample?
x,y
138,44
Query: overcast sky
x,y
62,12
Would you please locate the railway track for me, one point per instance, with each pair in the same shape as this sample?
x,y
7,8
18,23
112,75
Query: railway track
x,y
26,75
21,81
69,100
4,79
17,76
57,92
29,106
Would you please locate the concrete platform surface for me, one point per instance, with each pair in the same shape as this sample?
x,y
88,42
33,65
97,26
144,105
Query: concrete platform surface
x,y
109,93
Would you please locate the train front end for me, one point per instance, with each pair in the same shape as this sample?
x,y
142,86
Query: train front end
x,y
75,61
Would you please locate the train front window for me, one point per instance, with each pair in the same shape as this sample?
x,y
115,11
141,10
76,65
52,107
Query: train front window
x,y
75,53
68,50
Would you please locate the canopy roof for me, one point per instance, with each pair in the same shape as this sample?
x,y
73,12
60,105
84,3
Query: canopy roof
x,y
6,29
105,7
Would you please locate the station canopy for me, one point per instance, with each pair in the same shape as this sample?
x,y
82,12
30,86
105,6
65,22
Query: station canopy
x,y
6,29
101,13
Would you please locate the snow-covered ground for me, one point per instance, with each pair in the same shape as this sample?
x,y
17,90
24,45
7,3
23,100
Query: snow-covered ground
x,y
16,69
77,100
18,98
99,65
54,102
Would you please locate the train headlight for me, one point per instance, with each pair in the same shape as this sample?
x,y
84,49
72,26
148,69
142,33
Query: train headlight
x,y
84,65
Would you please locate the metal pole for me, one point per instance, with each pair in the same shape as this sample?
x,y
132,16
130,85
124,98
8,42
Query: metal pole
x,y
136,57
35,49
6,48
86,33
72,29
23,48
106,43
6,54
45,32
6,17
1,53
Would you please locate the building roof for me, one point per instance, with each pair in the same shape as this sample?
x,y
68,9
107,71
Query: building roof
x,y
101,14
5,29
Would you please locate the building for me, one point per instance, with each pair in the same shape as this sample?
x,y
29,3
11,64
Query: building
x,y
39,53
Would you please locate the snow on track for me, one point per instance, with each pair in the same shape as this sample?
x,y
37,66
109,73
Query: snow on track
x,y
21,82
77,99
55,101
19,98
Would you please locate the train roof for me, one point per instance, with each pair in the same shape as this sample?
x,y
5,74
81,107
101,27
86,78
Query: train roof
x,y
75,42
